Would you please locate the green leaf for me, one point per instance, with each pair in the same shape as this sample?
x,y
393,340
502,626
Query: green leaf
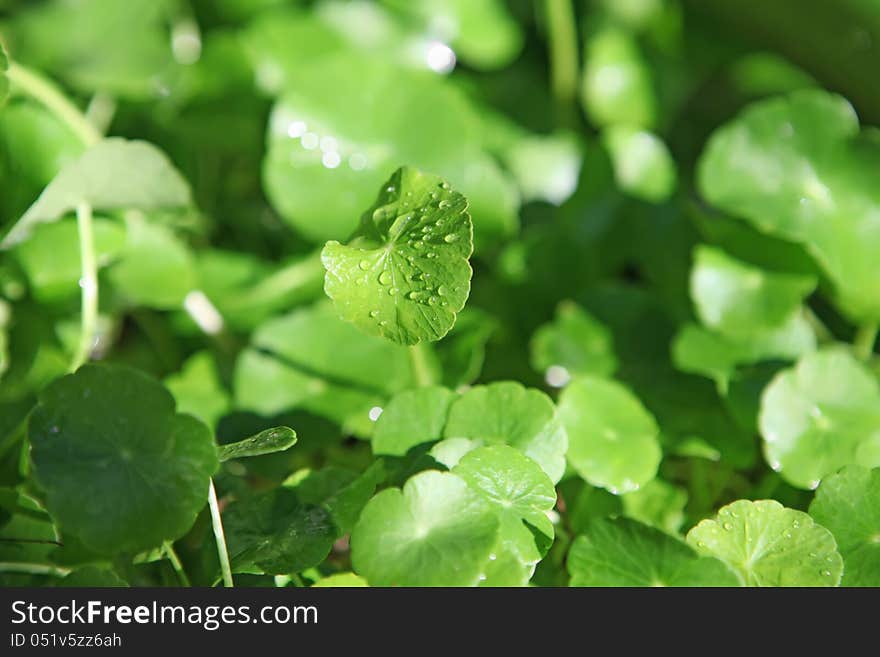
x,y
820,415
341,580
546,167
411,418
521,495
613,439
510,414
278,533
51,258
798,168
616,85
405,275
625,552
121,470
643,166
342,492
700,351
313,360
155,267
93,576
113,174
269,441
767,544
575,341
197,389
740,300
336,128
848,504
436,531
658,504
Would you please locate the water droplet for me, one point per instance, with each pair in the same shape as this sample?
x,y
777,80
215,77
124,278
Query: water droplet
x,y
443,204
449,239
418,244
444,185
787,534
727,526
364,264
385,277
442,291
444,303
432,300
384,322
412,295
431,254
439,223
379,214
374,313
392,291
391,189
827,573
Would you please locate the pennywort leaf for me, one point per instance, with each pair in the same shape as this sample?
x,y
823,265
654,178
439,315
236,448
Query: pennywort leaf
x,y
113,174
767,544
405,275
110,453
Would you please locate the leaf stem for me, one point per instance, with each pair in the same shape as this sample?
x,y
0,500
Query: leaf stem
x,y
219,536
48,94
420,368
176,564
88,283
563,49
866,337
33,569
296,579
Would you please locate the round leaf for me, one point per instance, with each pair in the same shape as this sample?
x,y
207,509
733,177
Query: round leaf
x,y
508,413
406,273
613,440
643,166
768,544
738,299
411,418
576,341
121,470
436,531
848,504
819,416
625,552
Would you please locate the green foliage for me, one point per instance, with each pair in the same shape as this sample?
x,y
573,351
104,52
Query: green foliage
x,y
405,274
438,293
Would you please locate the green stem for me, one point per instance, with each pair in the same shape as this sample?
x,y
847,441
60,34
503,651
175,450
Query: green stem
x,y
175,563
421,370
562,30
33,569
296,579
88,283
866,337
219,536
48,94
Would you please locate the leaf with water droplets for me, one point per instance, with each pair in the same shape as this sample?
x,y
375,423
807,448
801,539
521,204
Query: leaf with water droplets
x,y
624,552
848,504
521,495
405,275
269,441
121,470
436,531
768,544
797,167
613,439
820,415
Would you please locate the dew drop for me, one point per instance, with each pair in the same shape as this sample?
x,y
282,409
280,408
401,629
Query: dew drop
x,y
392,291
727,526
384,322
431,254
443,204
374,313
432,300
449,239
364,264
442,291
385,277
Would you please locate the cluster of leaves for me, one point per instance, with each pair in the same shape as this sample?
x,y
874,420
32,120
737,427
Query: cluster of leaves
x,y
616,331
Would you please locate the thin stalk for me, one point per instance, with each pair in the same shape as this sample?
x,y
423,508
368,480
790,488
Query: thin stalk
x,y
421,370
88,283
296,579
175,563
219,536
47,93
866,337
33,569
562,35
